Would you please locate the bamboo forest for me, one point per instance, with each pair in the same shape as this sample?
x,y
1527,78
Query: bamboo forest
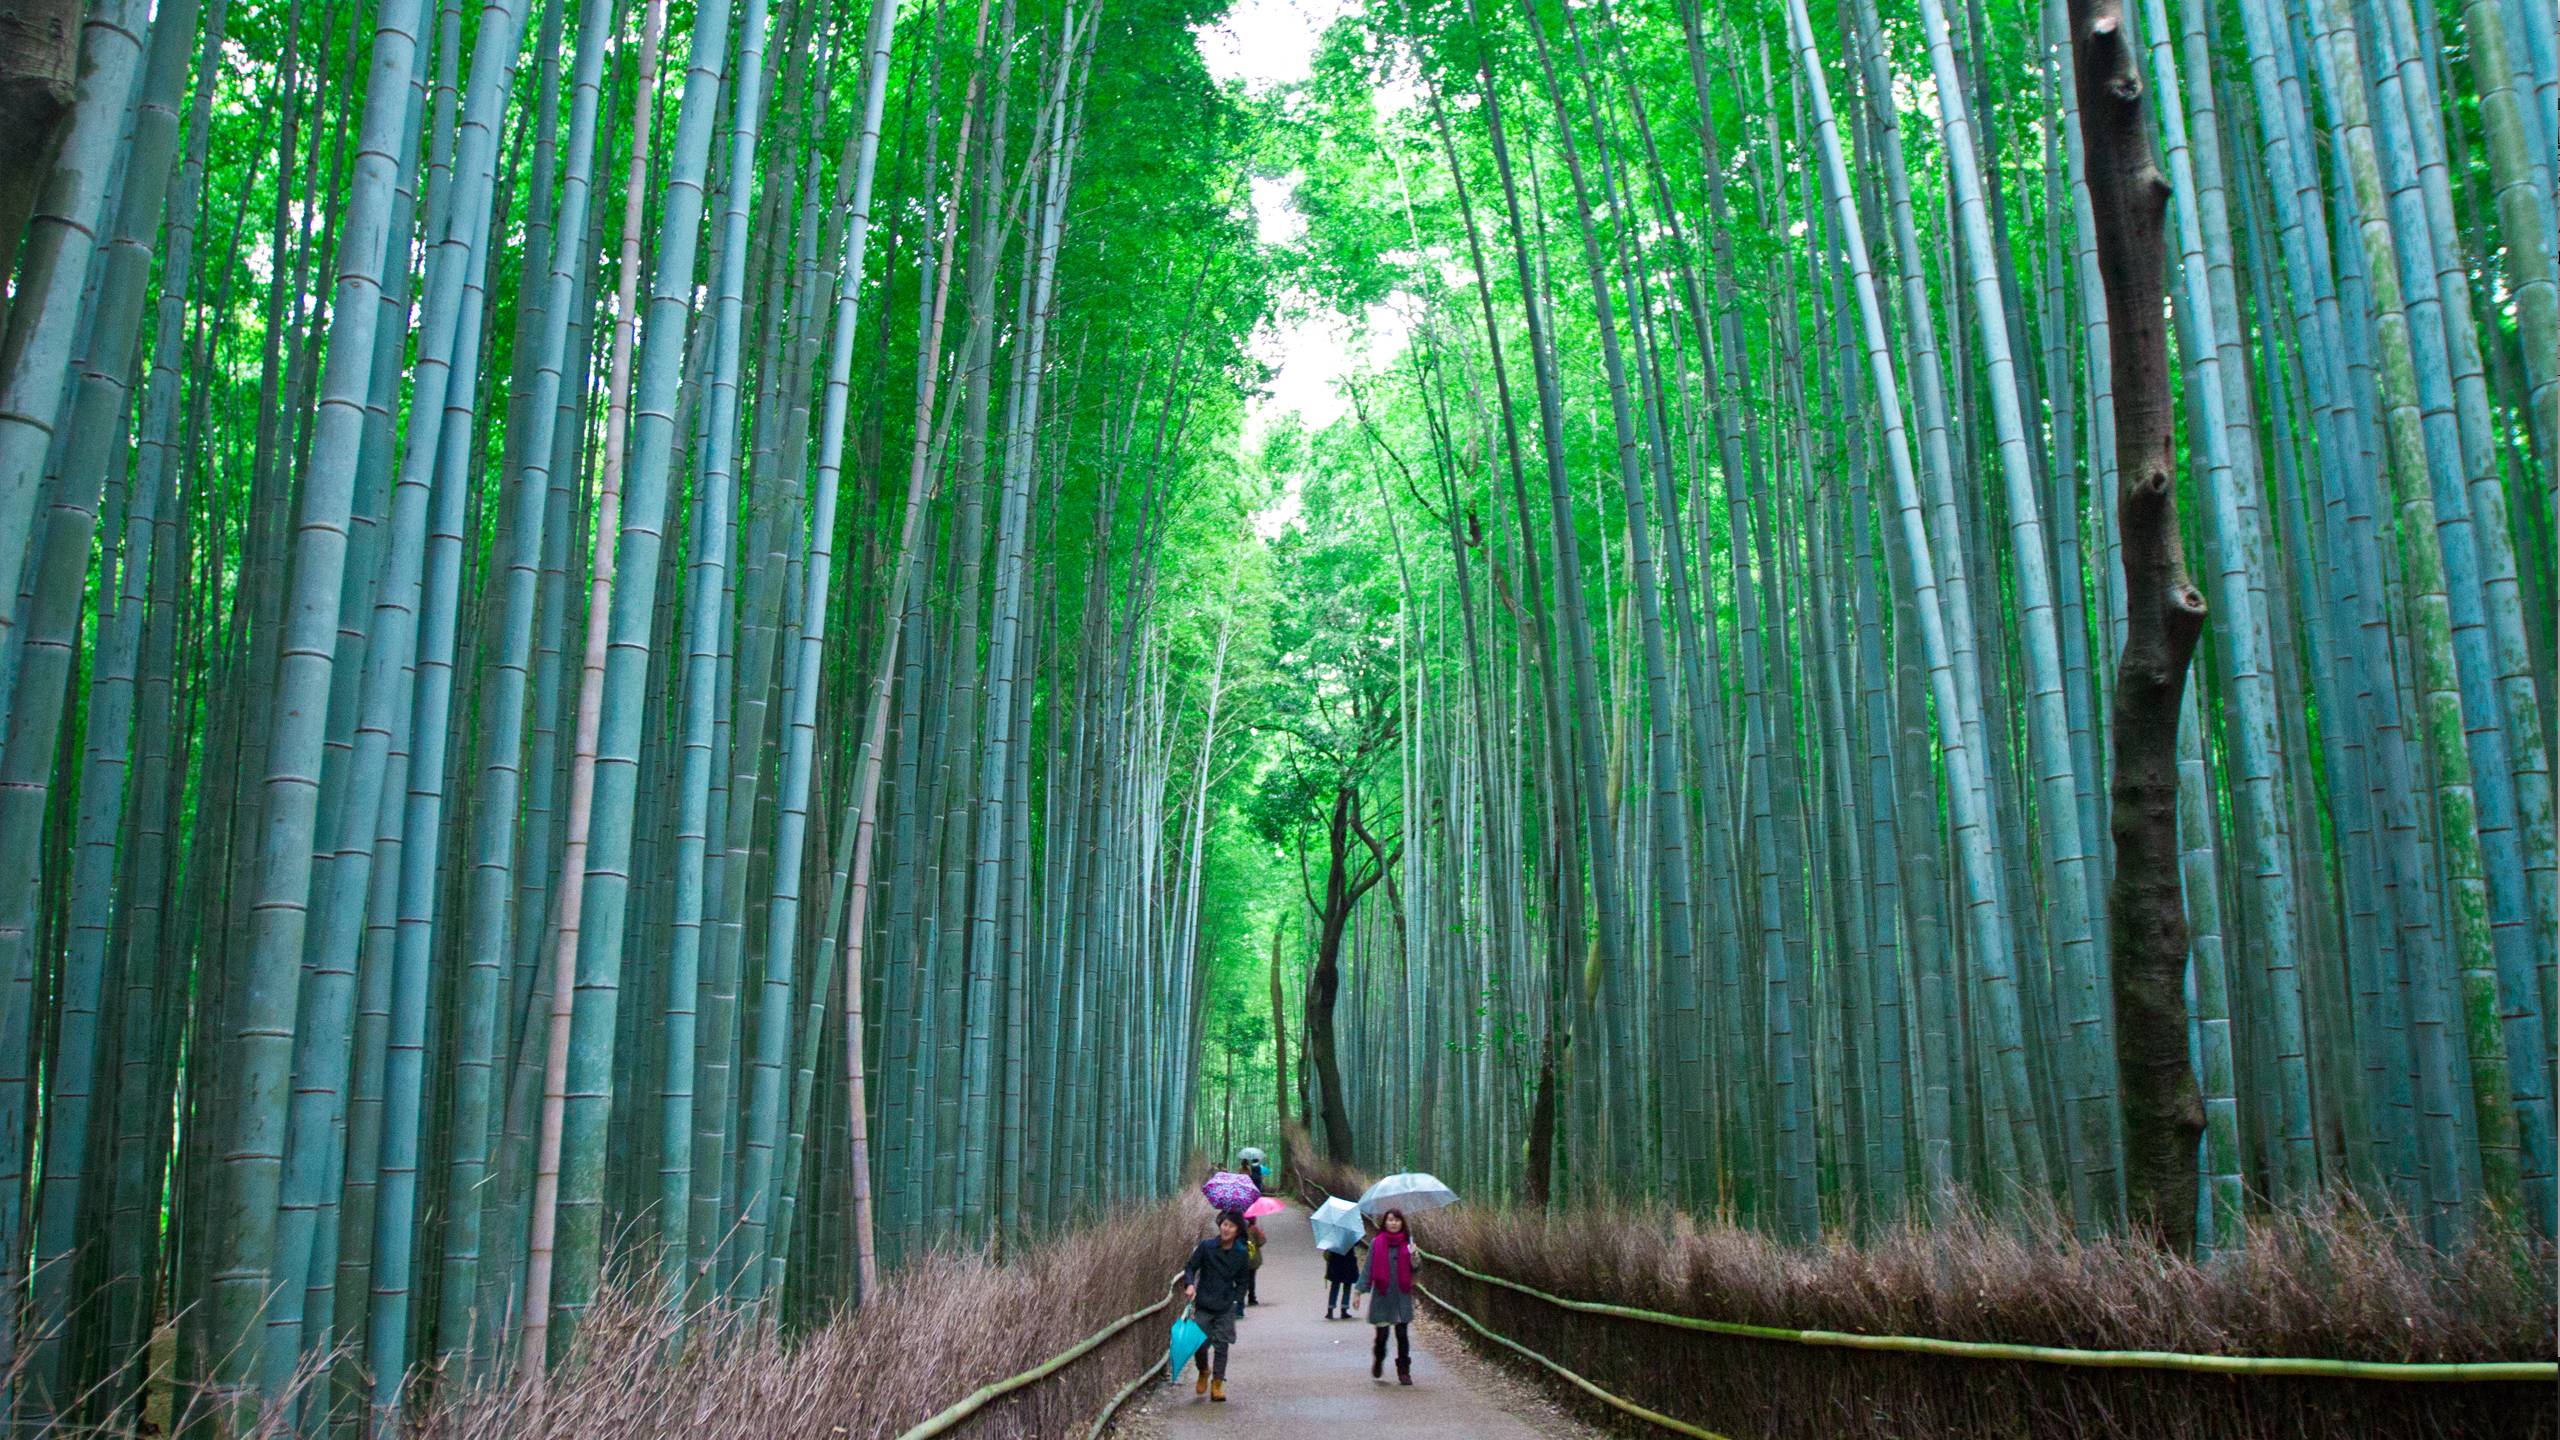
x,y
680,676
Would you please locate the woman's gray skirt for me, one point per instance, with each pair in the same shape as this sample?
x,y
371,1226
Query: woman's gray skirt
x,y
1218,1325
1390,1307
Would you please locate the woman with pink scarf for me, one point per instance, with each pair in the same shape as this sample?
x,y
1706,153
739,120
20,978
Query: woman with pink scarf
x,y
1390,1285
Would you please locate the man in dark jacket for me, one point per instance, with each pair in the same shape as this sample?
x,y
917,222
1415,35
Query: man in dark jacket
x,y
1214,1278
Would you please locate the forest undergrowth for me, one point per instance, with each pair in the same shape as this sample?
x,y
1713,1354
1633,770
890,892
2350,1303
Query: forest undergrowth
x,y
2331,1278
943,1325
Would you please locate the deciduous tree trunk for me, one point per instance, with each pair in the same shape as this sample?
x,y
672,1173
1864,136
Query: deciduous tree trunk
x,y
1279,1034
2147,922
1332,915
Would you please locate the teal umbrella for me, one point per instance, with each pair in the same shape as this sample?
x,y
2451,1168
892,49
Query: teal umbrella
x,y
1188,1337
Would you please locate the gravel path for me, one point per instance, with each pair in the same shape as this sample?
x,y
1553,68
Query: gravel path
x,y
1291,1364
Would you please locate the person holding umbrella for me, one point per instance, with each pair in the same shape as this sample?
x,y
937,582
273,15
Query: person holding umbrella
x,y
1341,1272
1253,1243
1214,1277
1261,1178
1389,1274
1341,1235
1255,1240
1390,1285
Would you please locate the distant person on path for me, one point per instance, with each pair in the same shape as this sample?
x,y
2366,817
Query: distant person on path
x,y
1254,1241
1214,1277
1341,1272
1390,1283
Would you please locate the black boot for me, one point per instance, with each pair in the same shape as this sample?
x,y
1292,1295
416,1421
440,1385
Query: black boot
x,y
1378,1357
1404,1371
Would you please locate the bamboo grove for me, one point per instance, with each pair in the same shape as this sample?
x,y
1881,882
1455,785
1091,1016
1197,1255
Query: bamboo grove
x,y
599,696
1735,507
647,652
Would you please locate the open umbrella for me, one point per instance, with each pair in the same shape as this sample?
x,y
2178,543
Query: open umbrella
x,y
1336,1224
1251,1155
1410,1191
1188,1337
1228,1190
1267,1205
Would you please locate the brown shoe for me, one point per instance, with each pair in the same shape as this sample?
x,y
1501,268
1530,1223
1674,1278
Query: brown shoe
x,y
1404,1372
1218,1391
1201,1386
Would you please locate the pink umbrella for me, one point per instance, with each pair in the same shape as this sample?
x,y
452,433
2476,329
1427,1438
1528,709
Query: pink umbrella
x,y
1267,1205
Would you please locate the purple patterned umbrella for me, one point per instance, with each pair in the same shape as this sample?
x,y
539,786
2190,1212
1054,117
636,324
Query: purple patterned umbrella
x,y
1228,1190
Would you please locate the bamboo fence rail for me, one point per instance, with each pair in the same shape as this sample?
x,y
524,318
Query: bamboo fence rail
x,y
950,1418
2503,1372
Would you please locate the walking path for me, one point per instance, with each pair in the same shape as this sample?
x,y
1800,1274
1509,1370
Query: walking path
x,y
1292,1364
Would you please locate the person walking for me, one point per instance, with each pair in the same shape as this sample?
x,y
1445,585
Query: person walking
x,y
1251,1164
1390,1282
1214,1279
1254,1240
1341,1272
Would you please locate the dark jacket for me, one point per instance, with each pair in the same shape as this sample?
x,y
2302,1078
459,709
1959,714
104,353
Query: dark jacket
x,y
1219,1272
1341,1267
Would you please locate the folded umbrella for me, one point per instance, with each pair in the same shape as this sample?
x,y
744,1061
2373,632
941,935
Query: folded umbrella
x,y
1336,1224
1267,1205
1228,1190
1187,1339
1410,1191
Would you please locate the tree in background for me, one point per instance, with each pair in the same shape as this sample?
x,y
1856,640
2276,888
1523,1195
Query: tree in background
x,y
1329,800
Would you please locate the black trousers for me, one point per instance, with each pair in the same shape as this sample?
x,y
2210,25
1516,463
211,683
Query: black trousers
x,y
1213,1360
1404,1344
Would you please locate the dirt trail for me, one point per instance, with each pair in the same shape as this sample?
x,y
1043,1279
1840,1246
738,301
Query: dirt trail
x,y
1291,1364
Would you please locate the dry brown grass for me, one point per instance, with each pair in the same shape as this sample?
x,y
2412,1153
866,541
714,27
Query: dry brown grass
x,y
2325,1282
2333,1280
941,1328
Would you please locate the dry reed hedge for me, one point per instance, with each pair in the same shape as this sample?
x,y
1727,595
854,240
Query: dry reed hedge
x,y
1779,1391
941,1328
2331,1281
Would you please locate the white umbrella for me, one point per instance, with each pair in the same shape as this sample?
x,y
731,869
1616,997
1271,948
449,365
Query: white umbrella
x,y
1251,1154
1410,1191
1336,1224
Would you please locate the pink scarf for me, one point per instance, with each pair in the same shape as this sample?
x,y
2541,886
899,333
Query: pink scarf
x,y
1391,1261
